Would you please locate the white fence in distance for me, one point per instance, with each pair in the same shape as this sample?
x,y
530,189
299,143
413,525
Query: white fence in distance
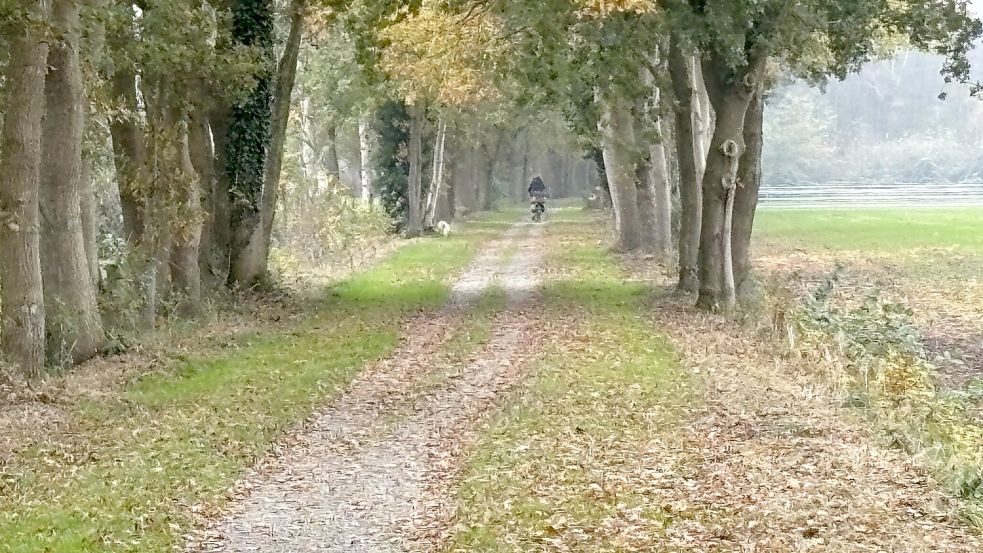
x,y
862,195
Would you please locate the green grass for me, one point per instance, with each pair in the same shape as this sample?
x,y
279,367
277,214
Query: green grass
x,y
127,470
885,231
564,451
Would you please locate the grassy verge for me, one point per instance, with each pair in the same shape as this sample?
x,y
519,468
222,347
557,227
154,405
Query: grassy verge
x,y
558,468
126,471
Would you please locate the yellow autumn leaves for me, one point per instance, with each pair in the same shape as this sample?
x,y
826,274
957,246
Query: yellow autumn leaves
x,y
443,57
602,8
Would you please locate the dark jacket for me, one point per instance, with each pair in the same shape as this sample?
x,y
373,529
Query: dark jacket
x,y
537,187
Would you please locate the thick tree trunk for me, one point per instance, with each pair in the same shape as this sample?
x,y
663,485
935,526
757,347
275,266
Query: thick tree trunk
x,y
90,223
654,207
617,136
746,202
414,223
730,94
365,155
74,327
249,139
133,182
21,295
252,266
691,162
129,153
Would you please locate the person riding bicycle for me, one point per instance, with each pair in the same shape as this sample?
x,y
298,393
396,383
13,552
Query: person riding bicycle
x,y
537,188
537,194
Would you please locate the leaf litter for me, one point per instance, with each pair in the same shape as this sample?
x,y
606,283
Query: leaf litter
x,y
764,458
355,480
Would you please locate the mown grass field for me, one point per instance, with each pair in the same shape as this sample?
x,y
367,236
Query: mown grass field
x,y
125,471
872,230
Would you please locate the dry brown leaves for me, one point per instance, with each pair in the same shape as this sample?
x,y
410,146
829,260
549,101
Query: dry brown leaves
x,y
772,463
944,289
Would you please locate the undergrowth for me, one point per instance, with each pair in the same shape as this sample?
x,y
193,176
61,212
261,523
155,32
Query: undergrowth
x,y
876,355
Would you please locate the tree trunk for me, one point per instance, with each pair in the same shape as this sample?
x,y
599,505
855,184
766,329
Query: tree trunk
x,y
732,152
662,199
331,164
617,135
436,185
730,95
129,153
652,177
90,223
220,234
746,202
451,205
691,161
21,296
249,140
74,327
252,267
186,230
484,182
365,155
414,186
202,156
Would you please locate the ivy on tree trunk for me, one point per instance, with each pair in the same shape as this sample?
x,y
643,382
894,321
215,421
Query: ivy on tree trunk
x,y
249,133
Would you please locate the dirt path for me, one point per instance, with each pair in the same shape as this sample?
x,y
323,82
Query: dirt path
x,y
366,476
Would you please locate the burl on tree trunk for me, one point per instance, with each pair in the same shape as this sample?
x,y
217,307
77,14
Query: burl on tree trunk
x,y
730,91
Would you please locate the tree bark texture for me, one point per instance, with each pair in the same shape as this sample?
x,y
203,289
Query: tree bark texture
x,y
21,297
617,137
414,186
746,202
691,160
186,228
730,93
202,154
253,264
73,324
365,154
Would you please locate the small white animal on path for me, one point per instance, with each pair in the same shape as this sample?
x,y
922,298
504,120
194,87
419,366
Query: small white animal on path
x,y
444,228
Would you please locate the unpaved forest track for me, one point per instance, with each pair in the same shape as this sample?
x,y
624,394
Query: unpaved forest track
x,y
368,474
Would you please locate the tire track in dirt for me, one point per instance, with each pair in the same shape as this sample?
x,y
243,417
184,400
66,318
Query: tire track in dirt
x,y
355,481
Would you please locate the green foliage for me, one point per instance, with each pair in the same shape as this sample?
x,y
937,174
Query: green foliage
x,y
392,159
